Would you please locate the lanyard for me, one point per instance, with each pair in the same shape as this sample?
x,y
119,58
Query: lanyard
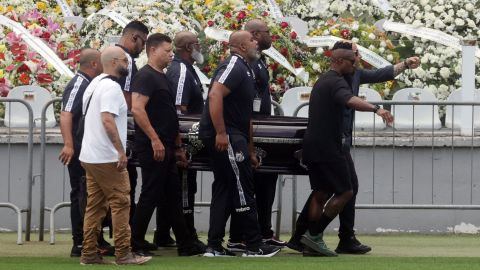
x,y
251,71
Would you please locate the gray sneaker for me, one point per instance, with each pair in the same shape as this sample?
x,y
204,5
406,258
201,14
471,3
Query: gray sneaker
x,y
131,258
316,243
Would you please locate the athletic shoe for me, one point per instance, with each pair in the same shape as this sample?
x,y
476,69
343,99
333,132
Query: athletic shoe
x,y
274,242
76,251
218,252
236,246
131,258
94,260
316,243
352,246
166,241
295,244
197,248
308,252
143,245
263,251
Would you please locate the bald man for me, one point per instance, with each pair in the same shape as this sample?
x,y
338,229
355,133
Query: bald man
x,y
90,67
187,91
329,167
103,157
226,129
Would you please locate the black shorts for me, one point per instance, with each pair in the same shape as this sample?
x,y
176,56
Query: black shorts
x,y
330,176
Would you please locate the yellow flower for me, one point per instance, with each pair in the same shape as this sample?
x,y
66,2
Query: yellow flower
x,y
2,9
208,2
58,9
249,7
1,74
41,6
9,8
3,48
199,16
335,31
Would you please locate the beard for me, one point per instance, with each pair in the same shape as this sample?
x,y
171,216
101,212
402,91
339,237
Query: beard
x,y
253,54
197,56
122,71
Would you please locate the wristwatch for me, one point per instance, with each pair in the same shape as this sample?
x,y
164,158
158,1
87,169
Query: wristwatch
x,y
377,107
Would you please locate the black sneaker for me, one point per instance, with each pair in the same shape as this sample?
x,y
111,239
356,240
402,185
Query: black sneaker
x,y
218,252
76,251
143,245
166,241
352,246
263,251
236,246
296,245
143,253
274,242
197,248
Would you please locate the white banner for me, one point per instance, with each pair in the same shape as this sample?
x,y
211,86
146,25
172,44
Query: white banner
x,y
224,35
368,56
38,45
66,10
426,33
203,78
118,18
275,10
384,5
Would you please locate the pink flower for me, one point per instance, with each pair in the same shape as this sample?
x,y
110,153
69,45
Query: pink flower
x,y
10,68
13,38
210,23
4,89
293,35
36,32
52,26
284,25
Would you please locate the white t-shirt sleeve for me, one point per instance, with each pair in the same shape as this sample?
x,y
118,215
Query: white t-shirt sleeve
x,y
111,99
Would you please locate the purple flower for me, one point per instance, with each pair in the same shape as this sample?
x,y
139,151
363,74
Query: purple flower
x,y
52,26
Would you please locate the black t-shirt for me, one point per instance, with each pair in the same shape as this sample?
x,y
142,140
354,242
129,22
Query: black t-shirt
x,y
126,81
235,74
186,86
160,107
72,102
323,138
263,88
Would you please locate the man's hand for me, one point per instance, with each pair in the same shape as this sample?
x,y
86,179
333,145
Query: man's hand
x,y
413,62
66,155
181,157
254,160
386,116
158,150
221,142
122,161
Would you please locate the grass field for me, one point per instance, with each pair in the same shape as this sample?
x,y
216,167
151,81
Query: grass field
x,y
390,251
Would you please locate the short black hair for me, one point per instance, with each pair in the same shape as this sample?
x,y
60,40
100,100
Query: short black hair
x,y
135,26
341,44
156,39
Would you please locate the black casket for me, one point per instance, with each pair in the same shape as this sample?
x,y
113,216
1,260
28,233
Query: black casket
x,y
277,140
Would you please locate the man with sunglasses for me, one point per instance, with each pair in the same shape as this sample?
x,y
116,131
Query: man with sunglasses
x,y
187,90
349,244
133,39
329,167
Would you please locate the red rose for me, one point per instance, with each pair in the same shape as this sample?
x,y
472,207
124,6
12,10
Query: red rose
x,y
2,56
18,48
284,25
43,21
2,80
241,15
44,78
20,58
210,23
345,33
45,35
284,52
24,78
327,53
23,68
206,69
293,35
228,15
280,80
264,14
274,66
275,38
297,64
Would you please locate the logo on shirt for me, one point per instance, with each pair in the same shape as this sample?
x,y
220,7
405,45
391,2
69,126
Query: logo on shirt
x,y
248,73
259,66
239,157
242,209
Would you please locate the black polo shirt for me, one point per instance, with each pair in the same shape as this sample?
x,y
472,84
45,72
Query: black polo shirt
x,y
72,102
186,86
126,81
235,74
323,138
262,79
160,107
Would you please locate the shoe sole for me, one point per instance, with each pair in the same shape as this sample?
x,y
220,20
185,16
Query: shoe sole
x,y
146,259
309,243
236,249
339,251
210,255
261,256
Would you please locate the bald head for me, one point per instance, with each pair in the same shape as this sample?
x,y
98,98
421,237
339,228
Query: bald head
x,y
255,25
238,38
111,53
87,56
114,61
182,39
243,43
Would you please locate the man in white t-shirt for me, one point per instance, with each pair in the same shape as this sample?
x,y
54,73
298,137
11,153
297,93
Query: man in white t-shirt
x,y
104,160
